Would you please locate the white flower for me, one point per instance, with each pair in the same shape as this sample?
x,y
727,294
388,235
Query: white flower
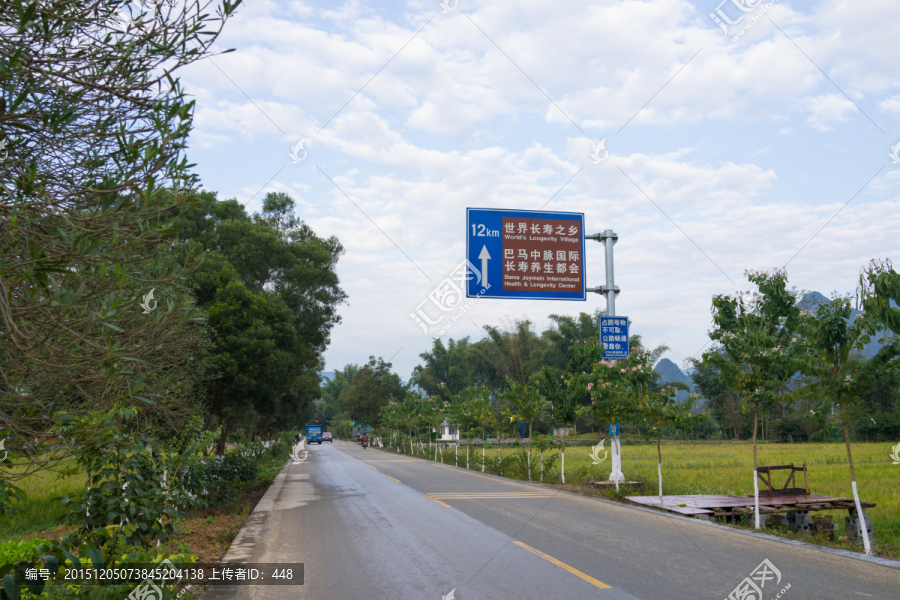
x,y
847,378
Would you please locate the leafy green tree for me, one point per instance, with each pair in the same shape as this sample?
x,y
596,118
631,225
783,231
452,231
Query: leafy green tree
x,y
373,386
560,341
511,352
339,384
254,353
879,293
760,346
271,292
528,403
832,360
331,392
406,414
563,395
479,399
464,411
616,389
662,410
95,135
432,415
448,370
721,400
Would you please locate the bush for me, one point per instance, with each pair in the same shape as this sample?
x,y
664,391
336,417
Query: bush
x,y
125,482
343,428
219,479
17,550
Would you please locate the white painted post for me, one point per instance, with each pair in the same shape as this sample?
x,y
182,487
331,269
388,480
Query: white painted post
x,y
562,471
482,458
659,470
860,515
756,496
616,452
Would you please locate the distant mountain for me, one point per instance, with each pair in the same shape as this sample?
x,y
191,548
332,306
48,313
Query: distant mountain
x,y
811,301
669,371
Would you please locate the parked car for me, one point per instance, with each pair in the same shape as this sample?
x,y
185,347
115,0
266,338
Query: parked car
x,y
326,437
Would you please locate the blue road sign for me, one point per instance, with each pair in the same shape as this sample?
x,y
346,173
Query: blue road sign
x,y
614,336
527,254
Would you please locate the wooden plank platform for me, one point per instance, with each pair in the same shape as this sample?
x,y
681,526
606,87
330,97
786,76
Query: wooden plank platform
x,y
709,504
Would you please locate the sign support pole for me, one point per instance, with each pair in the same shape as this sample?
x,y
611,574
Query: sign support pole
x,y
609,238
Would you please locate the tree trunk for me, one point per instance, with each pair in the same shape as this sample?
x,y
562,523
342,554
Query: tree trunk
x,y
755,479
659,462
859,512
467,445
220,443
499,456
529,449
562,468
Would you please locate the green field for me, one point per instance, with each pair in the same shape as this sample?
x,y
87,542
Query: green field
x,y
727,468
42,508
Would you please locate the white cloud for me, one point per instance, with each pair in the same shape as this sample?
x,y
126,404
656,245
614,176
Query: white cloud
x,y
890,105
827,109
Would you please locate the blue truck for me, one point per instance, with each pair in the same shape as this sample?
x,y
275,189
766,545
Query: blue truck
x,y
313,434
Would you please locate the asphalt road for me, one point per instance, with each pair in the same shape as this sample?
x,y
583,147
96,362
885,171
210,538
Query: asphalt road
x,y
371,524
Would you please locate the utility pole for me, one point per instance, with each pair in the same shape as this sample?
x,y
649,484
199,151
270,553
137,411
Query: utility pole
x,y
608,238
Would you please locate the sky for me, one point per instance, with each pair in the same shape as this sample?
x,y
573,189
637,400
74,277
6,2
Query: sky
x,y
761,144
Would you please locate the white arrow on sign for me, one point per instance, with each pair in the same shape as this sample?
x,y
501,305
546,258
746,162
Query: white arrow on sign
x,y
484,257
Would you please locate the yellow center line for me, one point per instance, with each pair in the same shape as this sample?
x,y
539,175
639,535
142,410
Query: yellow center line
x,y
397,480
491,497
371,467
438,501
565,567
492,493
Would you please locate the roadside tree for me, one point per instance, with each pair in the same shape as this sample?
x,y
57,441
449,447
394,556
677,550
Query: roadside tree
x,y
838,372
528,404
758,336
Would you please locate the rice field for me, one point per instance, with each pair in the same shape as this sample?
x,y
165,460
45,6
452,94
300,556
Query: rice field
x,y
727,468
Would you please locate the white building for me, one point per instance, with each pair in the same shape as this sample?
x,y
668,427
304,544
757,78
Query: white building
x,y
447,432
558,431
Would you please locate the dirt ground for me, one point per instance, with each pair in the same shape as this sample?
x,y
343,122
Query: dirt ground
x,y
207,533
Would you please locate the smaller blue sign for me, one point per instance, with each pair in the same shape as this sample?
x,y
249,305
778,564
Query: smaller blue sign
x,y
614,337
